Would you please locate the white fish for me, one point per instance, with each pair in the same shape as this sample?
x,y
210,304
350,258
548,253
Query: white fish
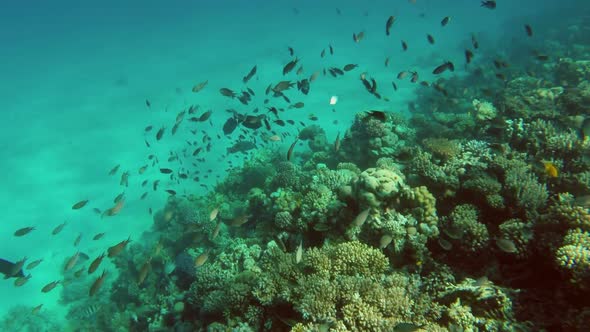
x,y
299,253
213,214
361,218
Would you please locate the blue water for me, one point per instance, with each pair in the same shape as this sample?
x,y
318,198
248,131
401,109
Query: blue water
x,y
75,76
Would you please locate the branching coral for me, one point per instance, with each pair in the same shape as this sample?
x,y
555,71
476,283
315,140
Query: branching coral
x,y
331,284
471,234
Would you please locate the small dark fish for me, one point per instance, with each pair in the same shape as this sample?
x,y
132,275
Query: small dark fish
x,y
331,49
148,104
98,236
404,45
289,66
379,115
541,57
445,21
58,228
199,86
250,74
350,67
290,152
148,128
227,92
303,86
528,30
171,192
402,74
298,104
160,133
205,116
291,51
357,37
49,286
430,38
241,146
388,24
442,68
165,170
414,77
10,270
394,86
97,284
80,205
474,42
468,56
24,231
229,126
489,4
114,170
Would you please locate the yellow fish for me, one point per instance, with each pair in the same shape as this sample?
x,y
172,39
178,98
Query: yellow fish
x,y
551,169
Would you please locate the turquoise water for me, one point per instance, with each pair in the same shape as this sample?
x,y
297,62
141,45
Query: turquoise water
x,y
76,77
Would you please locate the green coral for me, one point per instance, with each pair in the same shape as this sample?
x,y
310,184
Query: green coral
x,y
574,255
476,306
346,284
520,233
465,218
524,187
378,187
486,186
223,285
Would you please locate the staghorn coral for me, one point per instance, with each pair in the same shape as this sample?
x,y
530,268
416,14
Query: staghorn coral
x,y
523,187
